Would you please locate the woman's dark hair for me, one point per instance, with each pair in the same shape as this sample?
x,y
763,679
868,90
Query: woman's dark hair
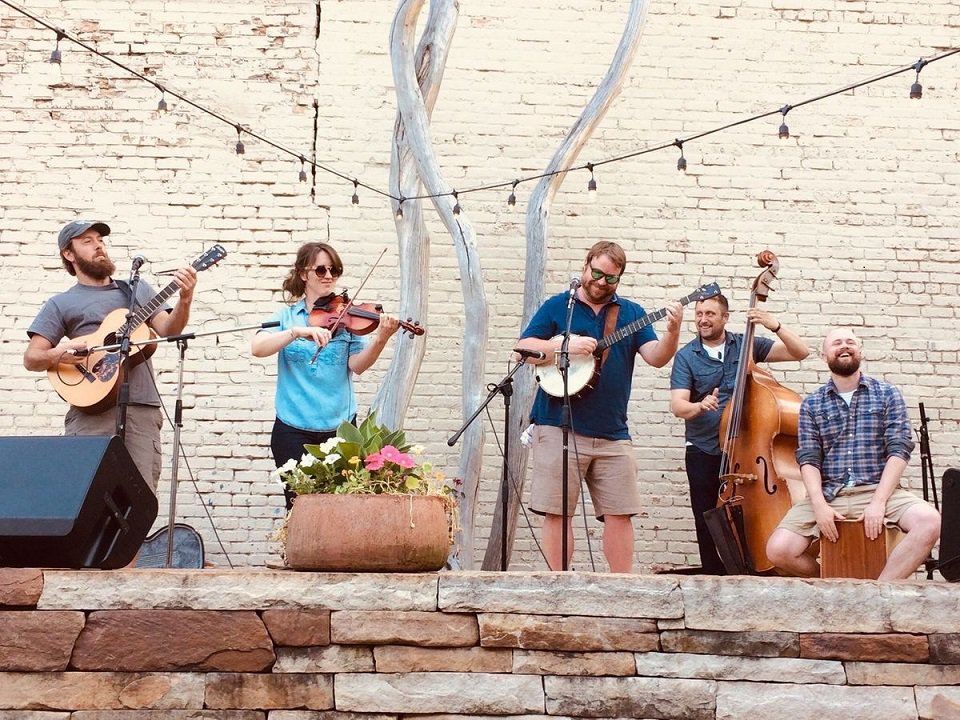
x,y
293,284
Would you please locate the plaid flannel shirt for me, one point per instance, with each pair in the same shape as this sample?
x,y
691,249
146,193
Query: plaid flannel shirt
x,y
851,444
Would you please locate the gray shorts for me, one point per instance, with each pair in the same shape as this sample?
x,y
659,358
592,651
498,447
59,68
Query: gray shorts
x,y
607,466
851,503
141,438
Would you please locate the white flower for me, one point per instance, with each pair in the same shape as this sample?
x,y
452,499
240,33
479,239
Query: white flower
x,y
307,459
289,465
417,450
329,445
331,459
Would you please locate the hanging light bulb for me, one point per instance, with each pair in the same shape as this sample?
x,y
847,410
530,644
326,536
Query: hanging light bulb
x,y
456,203
162,105
681,161
916,90
784,132
55,55
355,198
303,169
512,199
591,185
240,149
399,215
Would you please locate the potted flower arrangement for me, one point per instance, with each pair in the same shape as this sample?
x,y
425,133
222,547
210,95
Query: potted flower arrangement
x,y
365,501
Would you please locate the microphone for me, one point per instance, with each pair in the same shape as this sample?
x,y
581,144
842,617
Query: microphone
x,y
535,354
138,261
574,284
77,352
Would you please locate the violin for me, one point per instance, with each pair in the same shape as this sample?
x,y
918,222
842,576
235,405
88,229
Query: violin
x,y
360,319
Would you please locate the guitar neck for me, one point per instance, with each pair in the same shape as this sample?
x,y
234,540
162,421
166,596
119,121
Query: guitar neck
x,y
639,324
148,309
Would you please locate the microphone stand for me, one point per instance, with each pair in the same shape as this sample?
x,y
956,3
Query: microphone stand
x,y
505,388
563,365
123,397
181,341
926,466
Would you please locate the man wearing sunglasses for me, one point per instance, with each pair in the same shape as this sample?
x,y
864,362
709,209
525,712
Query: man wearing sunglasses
x,y
701,384
600,451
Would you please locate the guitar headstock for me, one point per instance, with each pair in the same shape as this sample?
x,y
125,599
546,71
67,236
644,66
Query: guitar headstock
x,y
705,292
210,258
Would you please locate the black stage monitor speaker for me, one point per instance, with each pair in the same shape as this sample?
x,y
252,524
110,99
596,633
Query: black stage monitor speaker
x,y
71,502
949,563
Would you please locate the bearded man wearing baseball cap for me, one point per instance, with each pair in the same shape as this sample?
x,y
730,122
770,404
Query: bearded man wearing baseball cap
x,y
79,311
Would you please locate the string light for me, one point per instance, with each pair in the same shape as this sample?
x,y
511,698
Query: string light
x,y
784,132
240,149
400,207
162,105
303,169
355,198
456,203
681,161
916,90
55,55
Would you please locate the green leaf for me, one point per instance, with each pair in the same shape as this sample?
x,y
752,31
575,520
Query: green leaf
x,y
350,433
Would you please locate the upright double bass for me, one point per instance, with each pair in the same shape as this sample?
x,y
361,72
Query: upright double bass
x,y
759,473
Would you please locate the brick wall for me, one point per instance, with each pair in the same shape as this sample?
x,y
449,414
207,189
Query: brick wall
x,y
860,202
300,646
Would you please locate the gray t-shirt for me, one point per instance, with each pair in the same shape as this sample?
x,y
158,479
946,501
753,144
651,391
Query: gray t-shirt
x,y
80,310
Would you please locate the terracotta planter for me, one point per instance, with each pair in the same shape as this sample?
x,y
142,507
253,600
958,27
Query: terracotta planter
x,y
367,533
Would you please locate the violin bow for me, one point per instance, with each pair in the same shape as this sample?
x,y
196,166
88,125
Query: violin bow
x,y
350,302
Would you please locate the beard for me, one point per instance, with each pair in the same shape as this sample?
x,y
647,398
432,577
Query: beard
x,y
99,268
597,293
710,334
844,366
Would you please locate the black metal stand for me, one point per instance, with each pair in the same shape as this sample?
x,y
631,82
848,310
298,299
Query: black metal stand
x,y
123,396
929,482
563,365
181,341
505,388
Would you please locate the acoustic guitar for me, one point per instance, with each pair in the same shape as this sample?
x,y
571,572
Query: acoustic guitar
x,y
584,371
92,387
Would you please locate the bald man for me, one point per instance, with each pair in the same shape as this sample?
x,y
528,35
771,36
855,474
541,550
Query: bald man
x,y
854,444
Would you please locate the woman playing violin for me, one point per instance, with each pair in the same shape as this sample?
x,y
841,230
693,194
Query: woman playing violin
x,y
315,362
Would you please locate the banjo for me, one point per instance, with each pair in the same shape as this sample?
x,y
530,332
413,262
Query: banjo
x,y
584,370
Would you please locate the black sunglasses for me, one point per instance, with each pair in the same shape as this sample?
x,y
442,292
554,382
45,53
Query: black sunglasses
x,y
321,270
597,274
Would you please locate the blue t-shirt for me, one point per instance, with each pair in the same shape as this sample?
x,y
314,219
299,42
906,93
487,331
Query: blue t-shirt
x,y
314,396
696,371
602,411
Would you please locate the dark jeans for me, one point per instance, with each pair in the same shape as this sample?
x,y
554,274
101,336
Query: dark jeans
x,y
703,475
287,443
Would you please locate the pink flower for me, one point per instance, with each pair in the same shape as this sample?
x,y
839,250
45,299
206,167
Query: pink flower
x,y
374,461
389,452
405,461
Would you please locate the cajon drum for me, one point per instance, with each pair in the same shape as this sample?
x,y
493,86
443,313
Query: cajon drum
x,y
853,555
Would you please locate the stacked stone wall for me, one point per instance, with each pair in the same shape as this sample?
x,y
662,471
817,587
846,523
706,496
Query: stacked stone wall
x,y
226,645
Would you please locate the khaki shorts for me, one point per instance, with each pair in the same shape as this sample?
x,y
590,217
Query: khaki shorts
x,y
851,503
608,466
141,438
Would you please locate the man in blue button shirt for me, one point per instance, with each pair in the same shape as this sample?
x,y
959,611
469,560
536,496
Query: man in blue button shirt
x,y
701,383
855,443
